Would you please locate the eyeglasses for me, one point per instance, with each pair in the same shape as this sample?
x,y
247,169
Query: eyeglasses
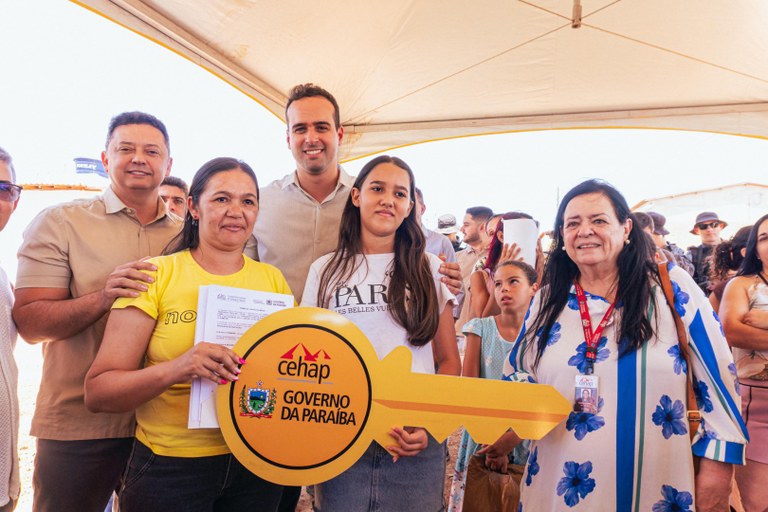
x,y
9,192
704,225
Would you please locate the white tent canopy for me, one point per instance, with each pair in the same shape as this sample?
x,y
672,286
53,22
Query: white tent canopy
x,y
408,71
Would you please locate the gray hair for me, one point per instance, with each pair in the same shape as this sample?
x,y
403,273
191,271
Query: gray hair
x,y
5,157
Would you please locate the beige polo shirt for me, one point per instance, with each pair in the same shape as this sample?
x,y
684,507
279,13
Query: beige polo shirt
x,y
77,245
293,229
467,259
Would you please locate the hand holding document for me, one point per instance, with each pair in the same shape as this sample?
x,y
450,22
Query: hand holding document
x,y
223,316
524,233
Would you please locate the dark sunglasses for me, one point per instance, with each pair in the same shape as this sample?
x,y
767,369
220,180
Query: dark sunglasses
x,y
9,192
704,225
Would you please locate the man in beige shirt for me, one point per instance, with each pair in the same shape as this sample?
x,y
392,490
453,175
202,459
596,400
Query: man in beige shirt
x,y
299,214
76,259
474,230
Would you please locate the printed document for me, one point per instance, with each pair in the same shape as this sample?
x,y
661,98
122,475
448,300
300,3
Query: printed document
x,y
223,316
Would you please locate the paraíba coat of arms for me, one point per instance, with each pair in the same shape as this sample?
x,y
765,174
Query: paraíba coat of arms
x,y
257,402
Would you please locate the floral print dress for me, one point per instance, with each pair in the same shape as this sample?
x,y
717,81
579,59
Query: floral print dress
x,y
634,453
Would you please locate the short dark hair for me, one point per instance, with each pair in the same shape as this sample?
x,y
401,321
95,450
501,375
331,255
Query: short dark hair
x,y
480,213
175,181
310,90
6,157
137,118
419,193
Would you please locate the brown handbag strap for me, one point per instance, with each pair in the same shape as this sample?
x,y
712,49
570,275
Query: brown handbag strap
x,y
694,416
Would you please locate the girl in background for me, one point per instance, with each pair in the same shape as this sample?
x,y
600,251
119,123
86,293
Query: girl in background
x,y
489,341
381,249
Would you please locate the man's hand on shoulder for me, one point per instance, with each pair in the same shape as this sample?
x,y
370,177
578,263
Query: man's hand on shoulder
x,y
127,280
50,314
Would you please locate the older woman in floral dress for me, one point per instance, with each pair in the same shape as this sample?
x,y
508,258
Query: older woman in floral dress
x,y
602,314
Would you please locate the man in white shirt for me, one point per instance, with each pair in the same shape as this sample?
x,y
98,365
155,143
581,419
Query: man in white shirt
x,y
9,374
437,244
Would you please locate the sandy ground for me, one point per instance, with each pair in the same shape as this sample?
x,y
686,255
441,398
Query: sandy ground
x,y
29,360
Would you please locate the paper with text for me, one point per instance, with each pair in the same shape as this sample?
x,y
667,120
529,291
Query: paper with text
x,y
223,316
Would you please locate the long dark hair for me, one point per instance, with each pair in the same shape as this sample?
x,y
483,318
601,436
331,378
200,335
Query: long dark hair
x,y
635,270
496,245
752,265
189,236
411,292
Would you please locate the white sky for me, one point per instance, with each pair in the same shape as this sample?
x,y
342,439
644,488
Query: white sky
x,y
67,71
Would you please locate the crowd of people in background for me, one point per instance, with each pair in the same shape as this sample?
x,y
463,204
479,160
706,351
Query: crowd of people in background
x,y
665,397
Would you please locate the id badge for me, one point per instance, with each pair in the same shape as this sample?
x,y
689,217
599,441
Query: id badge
x,y
586,393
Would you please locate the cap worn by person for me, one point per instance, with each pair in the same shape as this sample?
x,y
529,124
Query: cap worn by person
x,y
706,218
446,224
658,224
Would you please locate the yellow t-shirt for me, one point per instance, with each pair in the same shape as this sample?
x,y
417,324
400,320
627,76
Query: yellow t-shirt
x,y
161,423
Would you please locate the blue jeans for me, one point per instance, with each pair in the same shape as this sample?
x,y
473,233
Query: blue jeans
x,y
375,483
193,484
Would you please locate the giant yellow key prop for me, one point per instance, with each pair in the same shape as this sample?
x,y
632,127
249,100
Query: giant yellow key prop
x,y
313,394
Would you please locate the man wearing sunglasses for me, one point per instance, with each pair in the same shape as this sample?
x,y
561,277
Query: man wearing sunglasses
x,y
708,226
75,260
9,399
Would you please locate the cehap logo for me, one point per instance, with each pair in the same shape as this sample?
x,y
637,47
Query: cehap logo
x,y
308,368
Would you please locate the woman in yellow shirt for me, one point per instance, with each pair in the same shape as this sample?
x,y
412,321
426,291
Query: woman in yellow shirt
x,y
148,358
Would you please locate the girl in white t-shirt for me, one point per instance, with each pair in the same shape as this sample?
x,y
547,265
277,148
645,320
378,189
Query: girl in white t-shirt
x,y
381,278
